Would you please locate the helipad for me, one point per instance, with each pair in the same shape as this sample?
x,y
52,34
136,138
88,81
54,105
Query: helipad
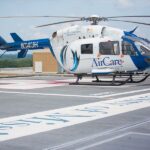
x,y
46,113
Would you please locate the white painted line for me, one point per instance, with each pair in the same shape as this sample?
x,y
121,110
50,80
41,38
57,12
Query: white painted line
x,y
48,94
102,94
117,94
71,95
139,133
92,137
90,146
29,84
19,126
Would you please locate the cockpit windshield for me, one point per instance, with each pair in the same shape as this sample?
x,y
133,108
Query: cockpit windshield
x,y
144,50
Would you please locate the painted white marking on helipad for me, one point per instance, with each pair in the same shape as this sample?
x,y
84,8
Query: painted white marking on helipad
x,y
102,93
19,126
122,93
90,146
48,94
72,95
95,144
29,84
89,138
108,133
140,133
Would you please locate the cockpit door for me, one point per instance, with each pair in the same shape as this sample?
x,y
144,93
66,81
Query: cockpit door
x,y
130,49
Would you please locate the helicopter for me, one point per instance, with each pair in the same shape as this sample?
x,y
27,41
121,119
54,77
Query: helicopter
x,y
97,50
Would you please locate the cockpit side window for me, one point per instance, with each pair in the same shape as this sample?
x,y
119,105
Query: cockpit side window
x,y
87,49
127,49
109,48
144,51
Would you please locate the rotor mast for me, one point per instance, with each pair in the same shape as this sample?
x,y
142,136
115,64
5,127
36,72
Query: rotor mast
x,y
94,19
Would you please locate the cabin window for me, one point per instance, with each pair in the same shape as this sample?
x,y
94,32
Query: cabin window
x,y
127,49
87,49
109,48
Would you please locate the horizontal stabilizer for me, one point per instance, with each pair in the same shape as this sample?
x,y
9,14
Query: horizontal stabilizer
x,y
2,41
16,37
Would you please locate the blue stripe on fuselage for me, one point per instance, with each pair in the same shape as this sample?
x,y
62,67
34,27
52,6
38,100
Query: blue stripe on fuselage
x,y
30,45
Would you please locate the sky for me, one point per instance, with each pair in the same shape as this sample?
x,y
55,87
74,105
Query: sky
x,y
26,27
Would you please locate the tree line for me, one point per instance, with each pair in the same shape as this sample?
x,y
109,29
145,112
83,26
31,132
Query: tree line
x,y
15,63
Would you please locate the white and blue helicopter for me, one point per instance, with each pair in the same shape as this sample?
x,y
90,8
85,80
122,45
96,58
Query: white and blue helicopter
x,y
97,50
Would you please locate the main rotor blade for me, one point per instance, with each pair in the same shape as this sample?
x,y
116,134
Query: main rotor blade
x,y
58,23
11,17
140,16
77,17
143,23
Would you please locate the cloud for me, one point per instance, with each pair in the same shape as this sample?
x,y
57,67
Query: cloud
x,y
125,3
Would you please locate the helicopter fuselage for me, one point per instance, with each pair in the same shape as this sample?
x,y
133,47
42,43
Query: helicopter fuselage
x,y
96,49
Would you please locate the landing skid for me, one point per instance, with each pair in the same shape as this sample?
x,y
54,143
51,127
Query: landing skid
x,y
132,80
124,78
79,77
114,82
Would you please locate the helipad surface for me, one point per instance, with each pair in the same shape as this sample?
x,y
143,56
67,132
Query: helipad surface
x,y
46,113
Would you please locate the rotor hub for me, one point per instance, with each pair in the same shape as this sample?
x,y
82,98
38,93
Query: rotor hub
x,y
95,19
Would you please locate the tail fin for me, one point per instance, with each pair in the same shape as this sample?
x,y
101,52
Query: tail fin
x,y
16,37
2,41
22,53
